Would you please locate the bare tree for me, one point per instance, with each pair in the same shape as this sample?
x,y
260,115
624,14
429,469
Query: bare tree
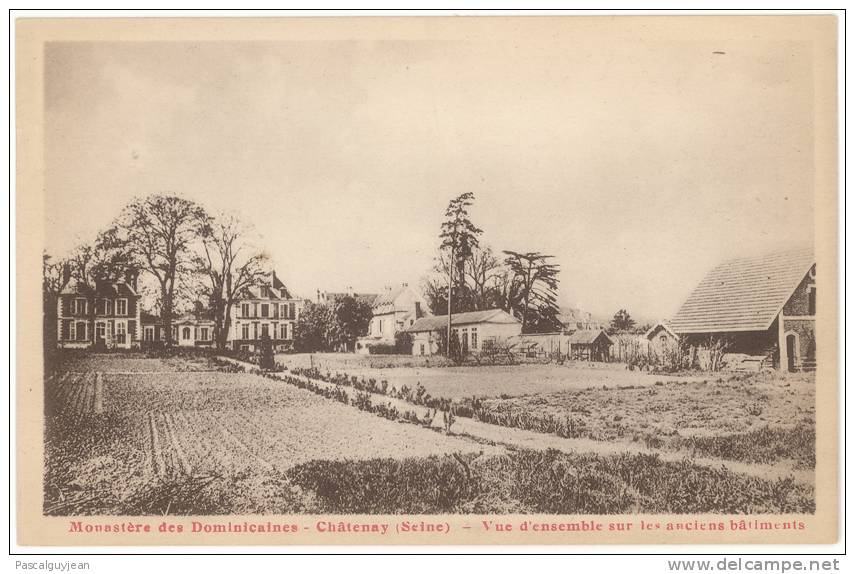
x,y
157,233
228,262
53,275
483,272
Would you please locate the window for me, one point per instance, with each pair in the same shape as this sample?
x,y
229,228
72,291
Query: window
x,y
185,333
273,329
265,331
244,310
284,331
203,333
464,342
255,330
255,309
283,311
80,334
421,348
265,309
108,307
78,307
244,334
121,307
381,326
474,339
100,330
120,332
149,334
812,300
292,311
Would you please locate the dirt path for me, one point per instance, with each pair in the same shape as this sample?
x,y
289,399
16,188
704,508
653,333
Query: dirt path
x,y
520,438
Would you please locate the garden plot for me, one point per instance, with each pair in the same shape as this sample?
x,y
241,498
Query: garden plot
x,y
131,363
114,438
479,381
690,408
76,393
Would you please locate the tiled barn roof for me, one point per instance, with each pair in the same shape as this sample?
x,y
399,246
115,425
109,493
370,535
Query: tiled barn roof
x,y
743,294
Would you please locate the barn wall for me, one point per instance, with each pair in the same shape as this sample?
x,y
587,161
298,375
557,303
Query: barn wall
x,y
805,329
798,302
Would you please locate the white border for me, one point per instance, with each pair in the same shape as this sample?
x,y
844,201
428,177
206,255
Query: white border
x,y
582,563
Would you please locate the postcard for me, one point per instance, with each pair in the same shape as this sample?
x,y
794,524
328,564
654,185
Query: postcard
x,y
481,280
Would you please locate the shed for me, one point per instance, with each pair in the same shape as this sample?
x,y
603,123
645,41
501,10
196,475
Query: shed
x,y
590,345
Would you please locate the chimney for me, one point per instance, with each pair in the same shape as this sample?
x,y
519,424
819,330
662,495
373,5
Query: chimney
x,y
404,284
66,274
418,310
350,292
319,295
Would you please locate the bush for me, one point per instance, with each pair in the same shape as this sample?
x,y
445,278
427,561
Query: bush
x,y
382,349
266,360
543,482
403,343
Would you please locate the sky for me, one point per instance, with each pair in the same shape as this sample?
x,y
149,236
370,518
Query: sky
x,y
638,161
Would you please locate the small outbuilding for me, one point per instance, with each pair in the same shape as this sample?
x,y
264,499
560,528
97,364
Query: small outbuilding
x,y
661,340
590,345
475,330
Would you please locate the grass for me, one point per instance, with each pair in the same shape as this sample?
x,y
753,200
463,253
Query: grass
x,y
759,420
765,445
543,482
452,382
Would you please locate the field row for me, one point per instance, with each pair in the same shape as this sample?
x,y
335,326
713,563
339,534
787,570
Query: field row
x,y
76,394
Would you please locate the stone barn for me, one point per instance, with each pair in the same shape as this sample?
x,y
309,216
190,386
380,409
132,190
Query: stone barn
x,y
758,306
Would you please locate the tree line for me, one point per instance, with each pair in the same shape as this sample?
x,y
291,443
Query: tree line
x,y
469,276
189,256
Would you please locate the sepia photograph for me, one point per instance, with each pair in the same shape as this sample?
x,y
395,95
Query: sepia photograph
x,y
429,280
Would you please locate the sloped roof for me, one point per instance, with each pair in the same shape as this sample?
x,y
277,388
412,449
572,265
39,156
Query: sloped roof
x,y
102,289
388,297
666,325
273,290
438,322
743,294
588,336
